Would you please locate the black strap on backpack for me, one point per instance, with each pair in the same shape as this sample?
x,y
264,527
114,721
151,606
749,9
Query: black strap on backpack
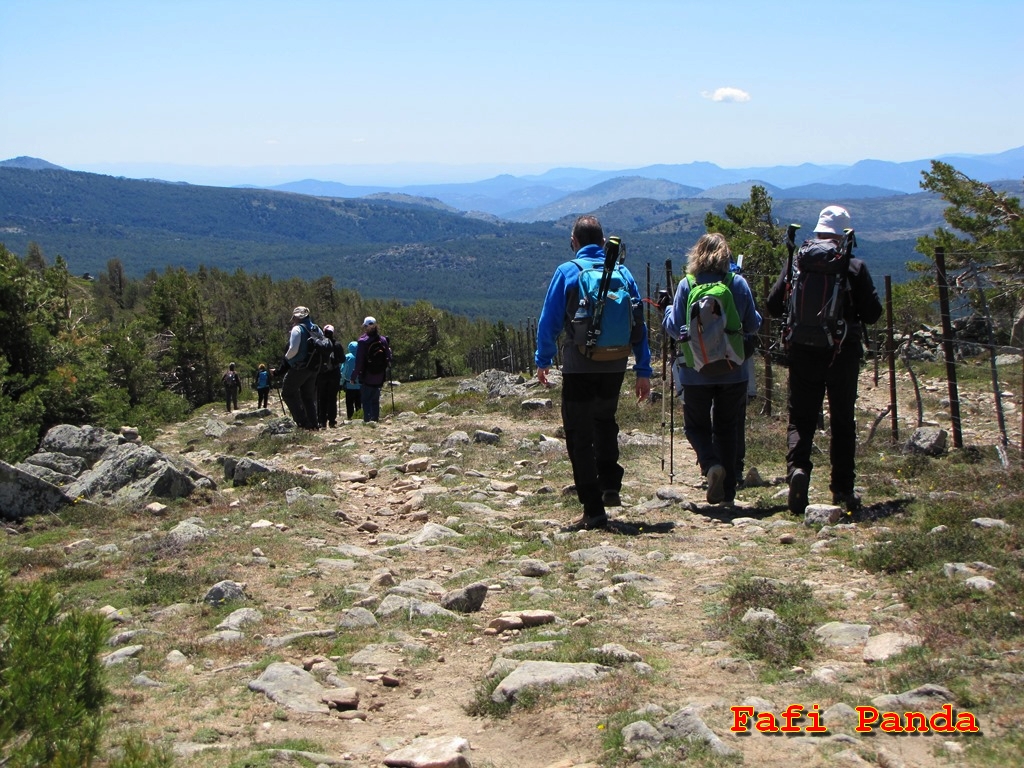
x,y
611,257
846,246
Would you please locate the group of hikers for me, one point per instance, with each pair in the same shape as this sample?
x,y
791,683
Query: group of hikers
x,y
593,315
315,369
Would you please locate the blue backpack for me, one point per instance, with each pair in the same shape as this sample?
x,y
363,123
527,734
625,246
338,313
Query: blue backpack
x,y
621,323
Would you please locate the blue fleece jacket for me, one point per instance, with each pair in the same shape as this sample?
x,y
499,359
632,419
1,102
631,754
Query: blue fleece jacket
x,y
555,320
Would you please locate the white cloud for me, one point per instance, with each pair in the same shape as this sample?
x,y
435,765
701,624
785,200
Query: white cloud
x,y
272,142
726,94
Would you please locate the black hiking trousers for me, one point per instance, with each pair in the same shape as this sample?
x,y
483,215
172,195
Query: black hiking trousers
x,y
813,375
589,403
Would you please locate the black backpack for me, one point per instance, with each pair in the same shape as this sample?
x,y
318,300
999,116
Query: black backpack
x,y
818,294
319,350
377,355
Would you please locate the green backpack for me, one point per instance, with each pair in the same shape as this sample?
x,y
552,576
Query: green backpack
x,y
713,337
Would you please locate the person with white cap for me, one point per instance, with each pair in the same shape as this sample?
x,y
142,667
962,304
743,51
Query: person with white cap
x,y
328,383
373,360
298,389
815,371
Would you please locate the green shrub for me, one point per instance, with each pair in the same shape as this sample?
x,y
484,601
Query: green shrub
x,y
51,683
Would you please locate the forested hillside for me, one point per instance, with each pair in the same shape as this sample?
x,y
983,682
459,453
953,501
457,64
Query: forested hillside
x,y
381,248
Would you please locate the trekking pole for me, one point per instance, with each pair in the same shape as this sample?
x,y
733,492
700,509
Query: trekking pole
x,y
672,384
664,370
391,384
611,256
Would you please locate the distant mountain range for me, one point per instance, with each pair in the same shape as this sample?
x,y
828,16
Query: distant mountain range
x,y
441,243
561,191
551,194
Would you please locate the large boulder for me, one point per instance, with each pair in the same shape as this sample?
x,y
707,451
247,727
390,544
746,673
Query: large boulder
x,y
130,472
87,442
23,495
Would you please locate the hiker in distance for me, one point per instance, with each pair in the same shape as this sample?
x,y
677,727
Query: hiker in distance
x,y
593,367
328,384
232,386
373,359
262,387
713,308
824,360
350,383
298,389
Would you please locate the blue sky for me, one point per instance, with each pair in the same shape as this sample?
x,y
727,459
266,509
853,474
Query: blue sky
x,y
404,91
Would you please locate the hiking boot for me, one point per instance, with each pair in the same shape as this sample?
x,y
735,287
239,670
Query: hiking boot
x,y
849,501
586,524
610,499
798,482
716,484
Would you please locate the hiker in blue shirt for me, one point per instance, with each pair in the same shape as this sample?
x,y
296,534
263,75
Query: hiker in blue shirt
x,y
713,401
590,388
262,387
353,401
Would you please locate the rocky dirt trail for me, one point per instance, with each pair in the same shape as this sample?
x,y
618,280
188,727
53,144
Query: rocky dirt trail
x,y
423,504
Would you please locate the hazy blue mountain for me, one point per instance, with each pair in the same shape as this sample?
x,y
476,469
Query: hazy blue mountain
x,y
553,193
30,163
739,190
592,198
829,191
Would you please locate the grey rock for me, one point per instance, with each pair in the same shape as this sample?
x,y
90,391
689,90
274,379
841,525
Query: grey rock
x,y
544,674
86,442
643,733
822,514
881,647
246,469
226,591
990,522
24,495
431,752
357,618
928,697
45,473
455,439
687,724
59,462
468,599
132,472
238,619
538,404
432,532
841,634
215,428
613,653
927,441
534,568
487,438
187,532
291,687
121,655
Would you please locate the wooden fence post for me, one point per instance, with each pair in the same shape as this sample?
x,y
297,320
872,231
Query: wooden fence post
x,y
947,347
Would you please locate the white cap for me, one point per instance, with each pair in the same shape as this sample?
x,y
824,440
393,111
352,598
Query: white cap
x,y
369,321
833,220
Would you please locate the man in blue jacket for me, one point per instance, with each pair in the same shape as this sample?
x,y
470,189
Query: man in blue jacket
x,y
590,389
